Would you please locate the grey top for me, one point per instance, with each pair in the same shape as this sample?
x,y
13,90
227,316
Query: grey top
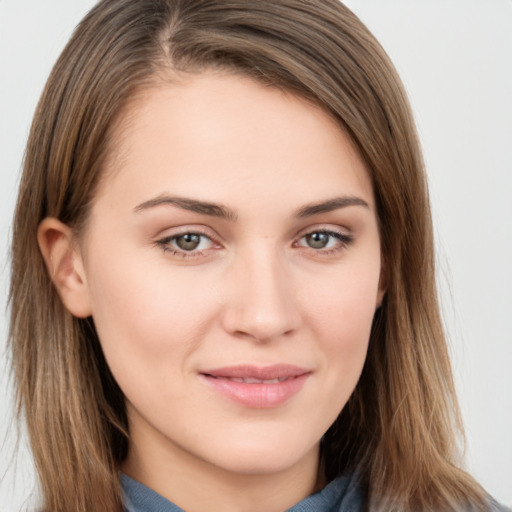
x,y
341,495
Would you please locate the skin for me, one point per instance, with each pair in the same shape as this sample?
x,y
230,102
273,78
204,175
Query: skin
x,y
257,290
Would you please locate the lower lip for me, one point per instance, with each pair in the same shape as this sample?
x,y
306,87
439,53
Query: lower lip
x,y
258,396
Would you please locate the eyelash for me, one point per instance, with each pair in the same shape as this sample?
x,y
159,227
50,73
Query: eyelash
x,y
165,244
343,239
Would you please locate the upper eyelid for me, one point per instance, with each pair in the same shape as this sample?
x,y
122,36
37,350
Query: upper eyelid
x,y
324,228
342,238
178,235
184,230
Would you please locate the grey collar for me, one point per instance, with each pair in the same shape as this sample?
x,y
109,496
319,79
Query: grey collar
x,y
340,495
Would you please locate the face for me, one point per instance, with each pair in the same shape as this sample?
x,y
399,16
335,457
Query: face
x,y
232,266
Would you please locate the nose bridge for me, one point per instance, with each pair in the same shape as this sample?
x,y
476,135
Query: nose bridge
x,y
262,305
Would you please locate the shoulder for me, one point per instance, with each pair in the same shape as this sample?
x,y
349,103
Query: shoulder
x,y
494,506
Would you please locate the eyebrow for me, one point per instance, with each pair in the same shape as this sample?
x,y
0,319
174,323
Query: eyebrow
x,y
193,205
223,212
331,204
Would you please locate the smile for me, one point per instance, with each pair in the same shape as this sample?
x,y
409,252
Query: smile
x,y
250,380
257,387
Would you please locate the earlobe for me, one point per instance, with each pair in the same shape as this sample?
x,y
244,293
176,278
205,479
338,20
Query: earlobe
x,y
65,266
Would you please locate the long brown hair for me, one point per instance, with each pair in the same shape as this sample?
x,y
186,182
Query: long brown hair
x,y
399,430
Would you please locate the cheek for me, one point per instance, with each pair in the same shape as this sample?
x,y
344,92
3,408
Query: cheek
x,y
343,305
145,320
341,316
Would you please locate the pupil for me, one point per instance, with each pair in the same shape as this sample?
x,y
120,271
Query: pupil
x,y
317,240
188,242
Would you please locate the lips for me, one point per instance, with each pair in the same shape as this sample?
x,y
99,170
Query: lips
x,y
257,387
250,380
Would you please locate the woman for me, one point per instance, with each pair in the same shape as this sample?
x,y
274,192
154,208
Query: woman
x,y
223,288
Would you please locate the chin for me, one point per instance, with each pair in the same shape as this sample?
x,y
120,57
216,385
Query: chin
x,y
264,456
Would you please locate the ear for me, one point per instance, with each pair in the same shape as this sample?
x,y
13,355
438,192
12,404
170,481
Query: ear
x,y
65,265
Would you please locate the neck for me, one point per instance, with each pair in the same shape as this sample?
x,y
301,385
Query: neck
x,y
196,485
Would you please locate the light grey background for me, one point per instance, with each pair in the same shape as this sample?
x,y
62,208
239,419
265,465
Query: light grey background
x,y
455,57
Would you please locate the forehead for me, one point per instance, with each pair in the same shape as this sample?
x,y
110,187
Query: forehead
x,y
204,130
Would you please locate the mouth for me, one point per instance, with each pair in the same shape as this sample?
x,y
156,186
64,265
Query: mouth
x,y
250,380
257,387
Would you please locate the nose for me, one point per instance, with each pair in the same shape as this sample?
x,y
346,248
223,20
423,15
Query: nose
x,y
261,304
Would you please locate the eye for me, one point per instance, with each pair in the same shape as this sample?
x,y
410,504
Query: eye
x,y
186,244
318,240
325,241
188,241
